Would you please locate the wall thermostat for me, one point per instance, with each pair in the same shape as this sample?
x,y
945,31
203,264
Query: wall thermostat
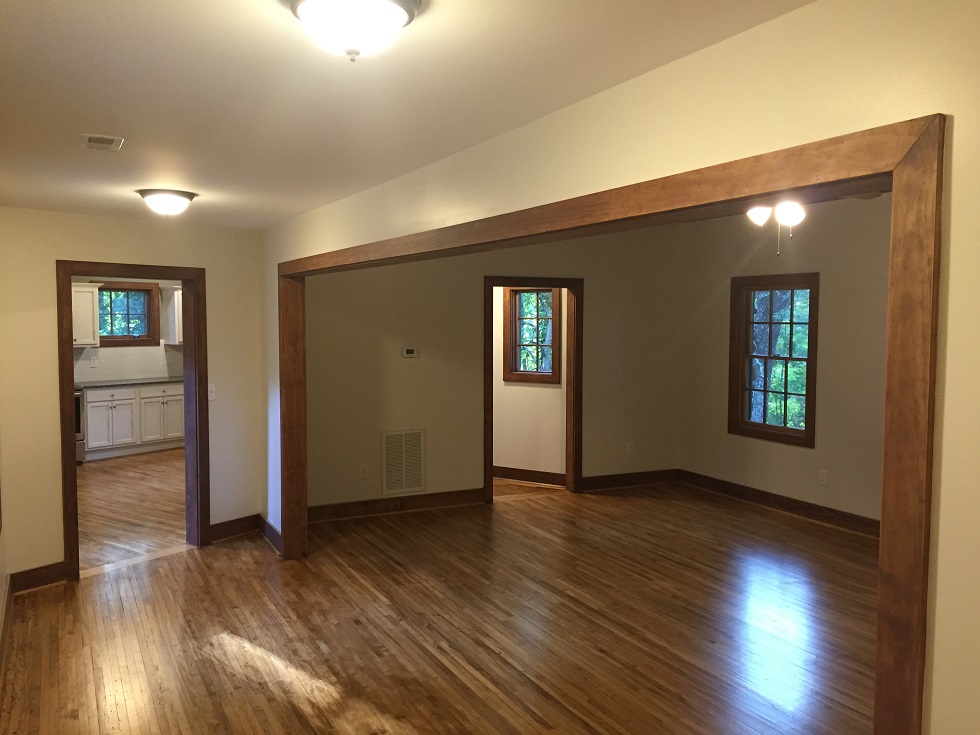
x,y
410,351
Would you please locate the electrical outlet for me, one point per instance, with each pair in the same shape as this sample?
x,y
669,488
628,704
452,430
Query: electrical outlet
x,y
93,361
822,477
630,448
363,471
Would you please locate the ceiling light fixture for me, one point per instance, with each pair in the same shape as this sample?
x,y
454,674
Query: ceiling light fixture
x,y
167,202
355,27
760,215
788,214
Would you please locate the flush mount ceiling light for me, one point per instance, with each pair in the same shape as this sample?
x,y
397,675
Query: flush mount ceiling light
x,y
355,27
788,214
167,202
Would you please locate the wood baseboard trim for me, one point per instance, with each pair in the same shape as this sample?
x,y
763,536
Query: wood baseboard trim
x,y
811,511
399,504
235,527
30,579
271,534
627,479
538,476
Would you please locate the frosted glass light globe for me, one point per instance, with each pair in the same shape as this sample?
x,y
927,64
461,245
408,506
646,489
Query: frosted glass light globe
x,y
789,214
760,215
166,202
352,27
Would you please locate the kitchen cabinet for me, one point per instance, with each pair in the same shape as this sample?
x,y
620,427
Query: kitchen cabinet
x,y
173,315
162,412
85,314
110,418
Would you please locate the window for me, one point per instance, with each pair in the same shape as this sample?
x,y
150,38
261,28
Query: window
x,y
772,357
532,335
129,314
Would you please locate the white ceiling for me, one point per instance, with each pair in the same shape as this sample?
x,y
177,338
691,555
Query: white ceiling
x,y
229,98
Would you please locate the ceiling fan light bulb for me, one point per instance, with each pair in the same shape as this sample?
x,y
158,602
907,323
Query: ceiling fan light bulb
x,y
789,214
760,215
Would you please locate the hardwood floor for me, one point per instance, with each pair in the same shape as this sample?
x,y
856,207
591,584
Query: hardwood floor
x,y
504,488
130,506
660,610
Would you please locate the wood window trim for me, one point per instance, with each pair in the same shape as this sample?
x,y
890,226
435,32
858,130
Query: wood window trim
x,y
512,375
741,289
152,338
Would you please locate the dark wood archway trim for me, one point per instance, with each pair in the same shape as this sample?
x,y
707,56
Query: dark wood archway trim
x,y
292,408
905,158
196,448
574,355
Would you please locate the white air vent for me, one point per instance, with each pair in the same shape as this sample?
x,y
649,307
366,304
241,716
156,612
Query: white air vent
x,y
404,461
95,142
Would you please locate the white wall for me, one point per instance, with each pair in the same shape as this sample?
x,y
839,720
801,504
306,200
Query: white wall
x,y
832,67
528,418
30,457
124,363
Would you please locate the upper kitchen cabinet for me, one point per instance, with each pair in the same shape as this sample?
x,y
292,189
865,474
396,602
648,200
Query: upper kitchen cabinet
x,y
85,314
173,310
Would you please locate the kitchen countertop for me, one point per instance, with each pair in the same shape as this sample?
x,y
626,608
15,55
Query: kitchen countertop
x,y
127,381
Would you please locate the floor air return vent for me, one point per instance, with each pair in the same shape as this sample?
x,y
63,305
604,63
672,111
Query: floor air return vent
x,y
404,462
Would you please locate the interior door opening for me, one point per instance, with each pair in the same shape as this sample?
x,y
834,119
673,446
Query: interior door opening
x,y
133,382
532,385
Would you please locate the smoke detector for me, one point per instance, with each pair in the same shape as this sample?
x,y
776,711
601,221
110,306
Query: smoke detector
x,y
96,142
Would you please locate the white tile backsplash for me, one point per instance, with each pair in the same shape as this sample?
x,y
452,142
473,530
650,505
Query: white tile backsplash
x,y
128,363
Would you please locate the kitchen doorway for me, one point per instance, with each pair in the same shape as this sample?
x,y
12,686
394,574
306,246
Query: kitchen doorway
x,y
128,503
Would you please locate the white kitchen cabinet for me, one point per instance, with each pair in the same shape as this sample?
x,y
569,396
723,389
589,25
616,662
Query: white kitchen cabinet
x,y
173,418
110,418
162,412
151,419
98,425
173,315
85,314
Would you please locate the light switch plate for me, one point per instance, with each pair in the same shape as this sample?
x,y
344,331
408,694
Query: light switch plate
x,y
211,391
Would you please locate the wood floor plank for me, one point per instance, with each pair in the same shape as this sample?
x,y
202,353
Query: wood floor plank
x,y
130,506
664,609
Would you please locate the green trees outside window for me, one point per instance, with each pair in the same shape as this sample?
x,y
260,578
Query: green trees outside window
x,y
772,357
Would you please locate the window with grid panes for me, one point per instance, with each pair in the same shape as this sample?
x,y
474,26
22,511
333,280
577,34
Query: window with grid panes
x,y
129,314
772,380
532,335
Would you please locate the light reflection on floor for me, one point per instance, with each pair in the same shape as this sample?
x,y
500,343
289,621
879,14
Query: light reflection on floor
x,y
324,704
777,656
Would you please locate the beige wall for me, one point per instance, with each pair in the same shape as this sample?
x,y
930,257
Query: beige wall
x,y
832,67
30,459
528,418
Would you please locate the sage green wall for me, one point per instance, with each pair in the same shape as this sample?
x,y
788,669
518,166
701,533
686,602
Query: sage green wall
x,y
655,352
